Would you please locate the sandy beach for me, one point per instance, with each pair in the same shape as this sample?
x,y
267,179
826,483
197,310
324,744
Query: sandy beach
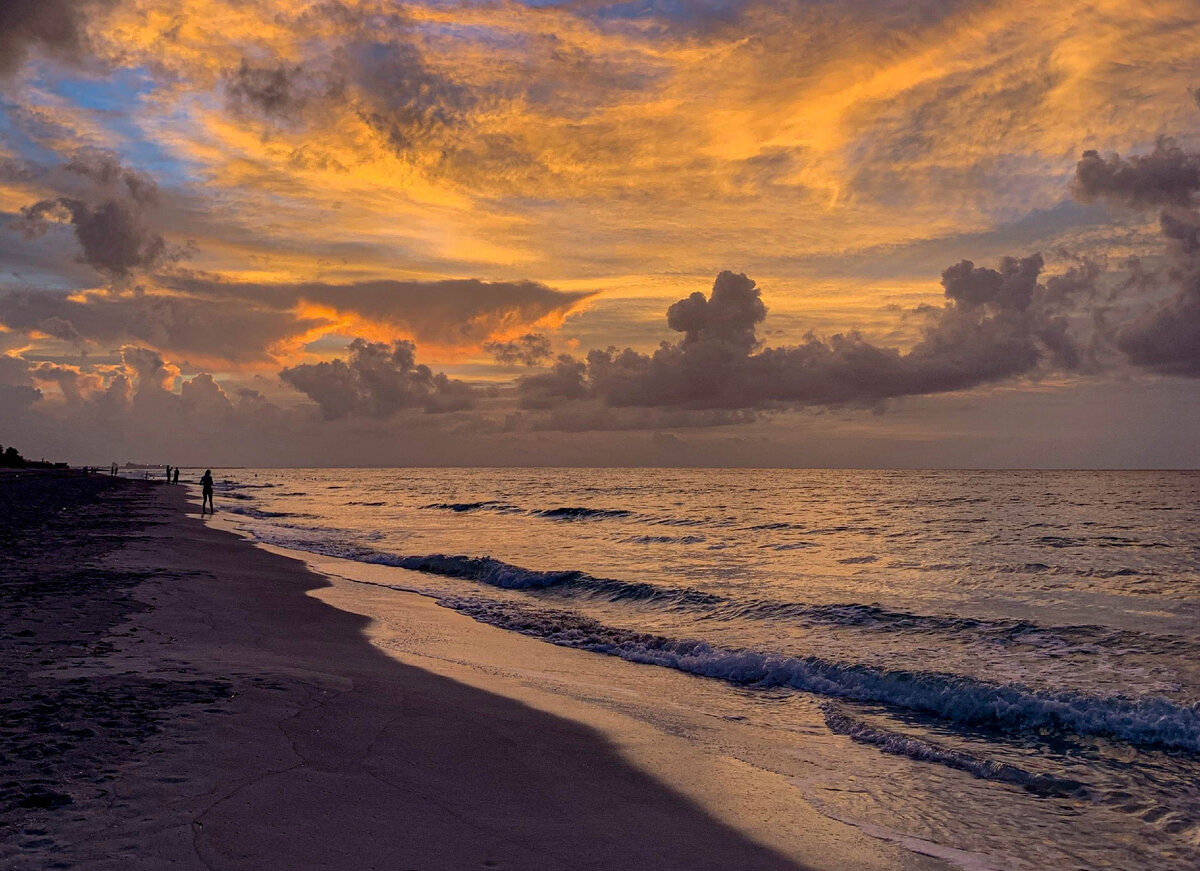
x,y
181,698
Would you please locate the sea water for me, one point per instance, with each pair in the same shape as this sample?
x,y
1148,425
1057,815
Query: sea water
x,y
999,667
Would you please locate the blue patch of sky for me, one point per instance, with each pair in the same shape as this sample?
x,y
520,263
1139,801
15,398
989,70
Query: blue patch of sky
x,y
436,4
15,138
683,13
112,102
113,92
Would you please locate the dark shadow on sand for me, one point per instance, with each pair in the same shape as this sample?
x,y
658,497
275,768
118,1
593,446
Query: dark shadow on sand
x,y
449,763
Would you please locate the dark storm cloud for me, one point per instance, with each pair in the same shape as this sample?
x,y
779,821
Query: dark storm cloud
x,y
273,91
456,312
108,209
399,96
997,324
184,326
283,93
565,381
112,235
56,26
378,72
531,349
1166,338
377,380
1167,176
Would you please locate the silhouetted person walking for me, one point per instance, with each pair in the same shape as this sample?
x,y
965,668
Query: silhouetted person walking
x,y
206,484
175,480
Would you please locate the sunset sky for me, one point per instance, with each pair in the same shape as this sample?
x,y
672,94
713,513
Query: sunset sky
x,y
266,232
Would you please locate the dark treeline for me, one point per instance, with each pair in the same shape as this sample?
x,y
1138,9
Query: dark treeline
x,y
10,458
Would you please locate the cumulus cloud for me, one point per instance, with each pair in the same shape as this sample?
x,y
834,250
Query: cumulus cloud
x,y
531,349
203,396
74,384
139,407
377,380
149,367
109,213
728,317
997,324
1165,338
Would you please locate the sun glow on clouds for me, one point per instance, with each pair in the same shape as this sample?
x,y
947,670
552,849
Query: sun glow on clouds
x,y
324,168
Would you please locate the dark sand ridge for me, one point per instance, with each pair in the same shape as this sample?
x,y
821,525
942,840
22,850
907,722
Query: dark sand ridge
x,y
235,722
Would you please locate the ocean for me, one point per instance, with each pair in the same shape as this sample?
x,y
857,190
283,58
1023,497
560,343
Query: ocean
x,y
998,667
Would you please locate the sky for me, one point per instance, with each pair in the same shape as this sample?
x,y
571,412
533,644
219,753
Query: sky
x,y
863,233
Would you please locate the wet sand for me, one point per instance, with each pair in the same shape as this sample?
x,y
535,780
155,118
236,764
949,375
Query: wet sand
x,y
180,698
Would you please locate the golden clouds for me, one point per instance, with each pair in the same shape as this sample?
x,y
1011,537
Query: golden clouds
x,y
352,142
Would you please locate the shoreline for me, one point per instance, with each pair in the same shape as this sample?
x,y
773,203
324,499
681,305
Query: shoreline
x,y
324,742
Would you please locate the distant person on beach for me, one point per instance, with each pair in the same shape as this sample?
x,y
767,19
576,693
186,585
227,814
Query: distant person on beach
x,y
206,483
175,480
114,469
168,473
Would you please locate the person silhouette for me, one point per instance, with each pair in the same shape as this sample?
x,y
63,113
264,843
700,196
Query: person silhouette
x,y
206,484
175,479
168,473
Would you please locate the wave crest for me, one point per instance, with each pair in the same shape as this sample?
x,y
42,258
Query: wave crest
x,y
1008,707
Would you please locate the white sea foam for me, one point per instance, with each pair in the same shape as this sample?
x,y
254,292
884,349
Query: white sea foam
x,y
1151,721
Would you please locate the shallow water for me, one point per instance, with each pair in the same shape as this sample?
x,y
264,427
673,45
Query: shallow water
x,y
1000,663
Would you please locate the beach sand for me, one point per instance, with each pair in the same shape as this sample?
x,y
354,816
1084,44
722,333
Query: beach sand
x,y
179,698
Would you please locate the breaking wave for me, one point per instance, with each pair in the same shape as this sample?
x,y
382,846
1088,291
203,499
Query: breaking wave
x,y
579,513
1152,721
262,514
663,539
501,574
1049,640
466,507
564,513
